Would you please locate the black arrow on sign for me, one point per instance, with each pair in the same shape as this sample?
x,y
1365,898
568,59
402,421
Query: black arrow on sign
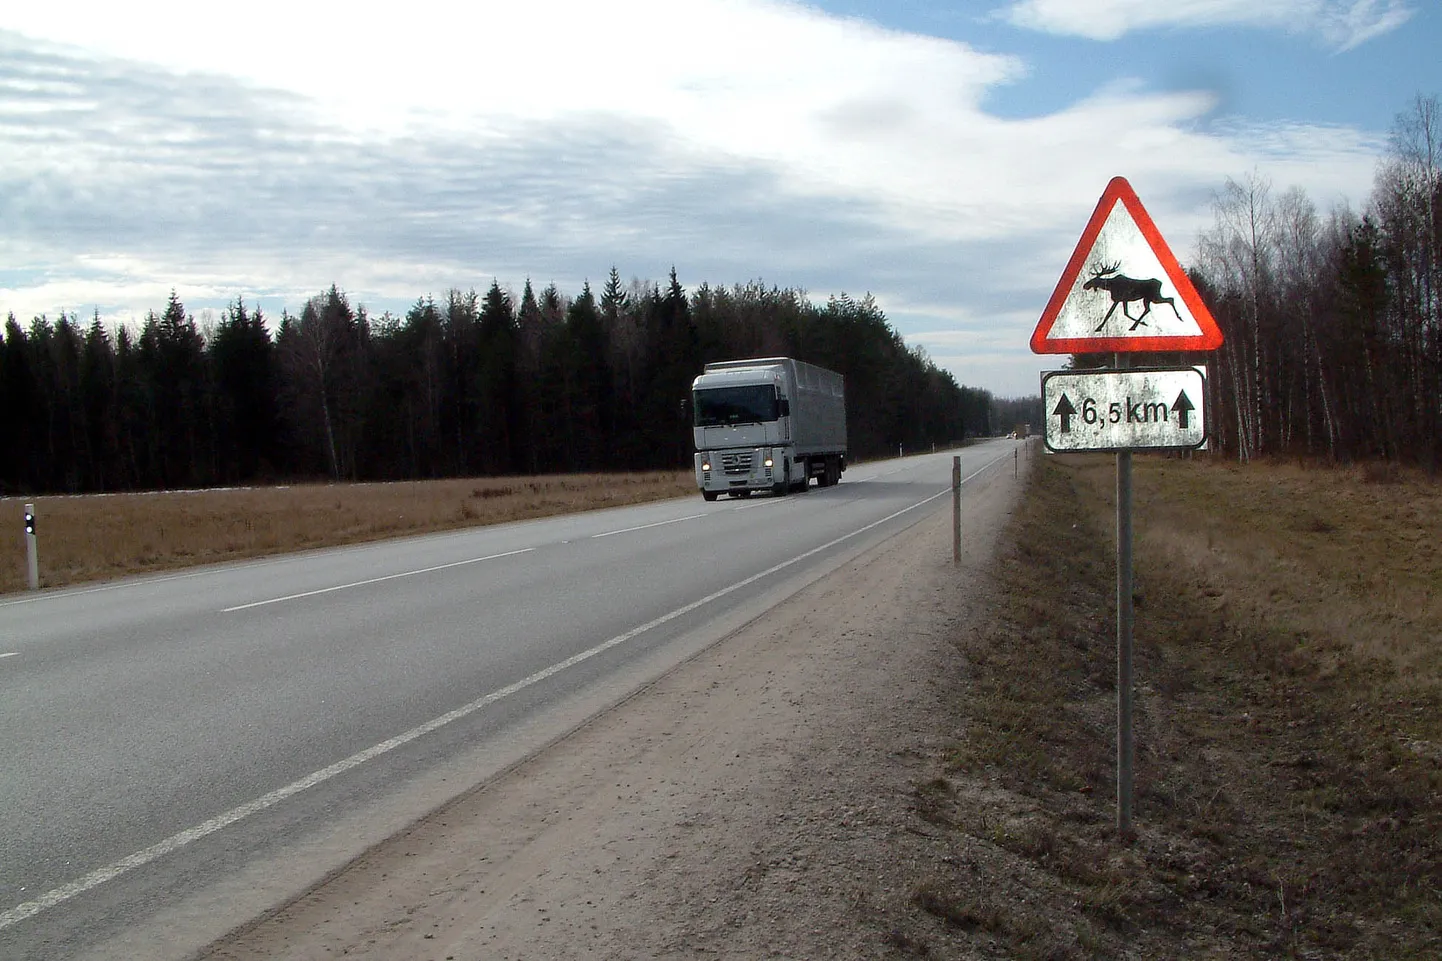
x,y
1183,408
1066,411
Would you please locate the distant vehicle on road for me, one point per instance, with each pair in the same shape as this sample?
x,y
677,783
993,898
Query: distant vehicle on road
x,y
768,423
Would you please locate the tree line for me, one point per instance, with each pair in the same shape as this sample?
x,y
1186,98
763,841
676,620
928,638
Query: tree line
x,y
467,385
1332,324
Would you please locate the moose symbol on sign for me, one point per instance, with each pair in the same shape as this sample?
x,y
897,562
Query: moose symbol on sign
x,y
1124,290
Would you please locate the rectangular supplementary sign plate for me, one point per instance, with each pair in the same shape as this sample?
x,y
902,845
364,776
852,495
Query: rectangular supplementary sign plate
x,y
1130,409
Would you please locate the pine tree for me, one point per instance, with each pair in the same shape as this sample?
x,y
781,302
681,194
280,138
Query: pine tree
x,y
497,385
673,361
588,349
19,403
322,360
243,364
100,402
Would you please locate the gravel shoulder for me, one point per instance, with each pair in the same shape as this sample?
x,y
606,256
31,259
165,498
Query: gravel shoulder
x,y
757,801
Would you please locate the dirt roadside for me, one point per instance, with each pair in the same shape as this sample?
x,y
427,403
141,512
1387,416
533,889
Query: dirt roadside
x,y
757,801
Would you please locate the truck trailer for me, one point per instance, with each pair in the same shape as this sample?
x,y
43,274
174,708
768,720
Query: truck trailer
x,y
767,424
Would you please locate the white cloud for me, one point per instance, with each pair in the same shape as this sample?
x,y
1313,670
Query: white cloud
x,y
732,80
713,62
273,149
1348,25
1341,24
831,108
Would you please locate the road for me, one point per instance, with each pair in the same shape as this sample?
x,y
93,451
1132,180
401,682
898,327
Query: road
x,y
183,752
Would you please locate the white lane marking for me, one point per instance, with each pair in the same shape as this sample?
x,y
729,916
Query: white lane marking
x,y
374,580
108,587
177,841
221,567
674,520
11,654
765,502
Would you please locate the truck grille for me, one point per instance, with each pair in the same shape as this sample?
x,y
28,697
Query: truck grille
x,y
736,463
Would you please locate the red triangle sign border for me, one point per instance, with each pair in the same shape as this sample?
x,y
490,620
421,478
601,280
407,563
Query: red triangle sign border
x,y
1119,191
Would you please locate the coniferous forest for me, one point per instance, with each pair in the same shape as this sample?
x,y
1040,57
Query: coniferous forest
x,y
467,385
1333,350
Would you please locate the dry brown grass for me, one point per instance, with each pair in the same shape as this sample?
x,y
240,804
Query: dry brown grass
x,y
1288,722
1340,554
90,538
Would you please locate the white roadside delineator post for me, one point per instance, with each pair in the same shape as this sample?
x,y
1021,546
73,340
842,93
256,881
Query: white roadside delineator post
x,y
31,556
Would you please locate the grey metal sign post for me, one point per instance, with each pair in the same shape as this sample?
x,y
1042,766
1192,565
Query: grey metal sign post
x,y
1125,742
1124,409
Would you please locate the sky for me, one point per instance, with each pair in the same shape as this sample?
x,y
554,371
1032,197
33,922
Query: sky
x,y
943,156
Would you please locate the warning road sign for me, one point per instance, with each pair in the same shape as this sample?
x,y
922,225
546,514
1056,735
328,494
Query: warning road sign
x,y
1123,290
1130,409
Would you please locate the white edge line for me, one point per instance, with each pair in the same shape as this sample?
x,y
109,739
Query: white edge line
x,y
11,654
216,567
674,520
175,842
983,467
139,580
374,580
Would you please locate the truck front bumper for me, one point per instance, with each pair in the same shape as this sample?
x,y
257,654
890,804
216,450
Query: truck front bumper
x,y
741,469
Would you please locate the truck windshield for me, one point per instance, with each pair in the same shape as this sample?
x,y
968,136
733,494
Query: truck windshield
x,y
720,406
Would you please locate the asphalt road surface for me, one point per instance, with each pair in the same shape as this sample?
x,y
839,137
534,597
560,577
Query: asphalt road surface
x,y
183,752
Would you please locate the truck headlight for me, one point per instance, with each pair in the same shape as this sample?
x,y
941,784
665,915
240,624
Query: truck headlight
x,y
705,465
768,462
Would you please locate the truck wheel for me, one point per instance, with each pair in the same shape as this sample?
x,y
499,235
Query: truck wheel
x,y
710,495
823,479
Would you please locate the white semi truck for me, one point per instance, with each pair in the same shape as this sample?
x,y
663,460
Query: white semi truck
x,y
767,424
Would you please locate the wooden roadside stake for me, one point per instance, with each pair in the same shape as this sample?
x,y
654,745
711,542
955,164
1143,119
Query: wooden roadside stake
x,y
956,510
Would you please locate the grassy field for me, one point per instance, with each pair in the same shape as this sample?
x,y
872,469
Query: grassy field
x,y
91,538
1288,724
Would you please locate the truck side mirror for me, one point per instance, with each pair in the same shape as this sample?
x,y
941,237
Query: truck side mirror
x,y
784,407
685,408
